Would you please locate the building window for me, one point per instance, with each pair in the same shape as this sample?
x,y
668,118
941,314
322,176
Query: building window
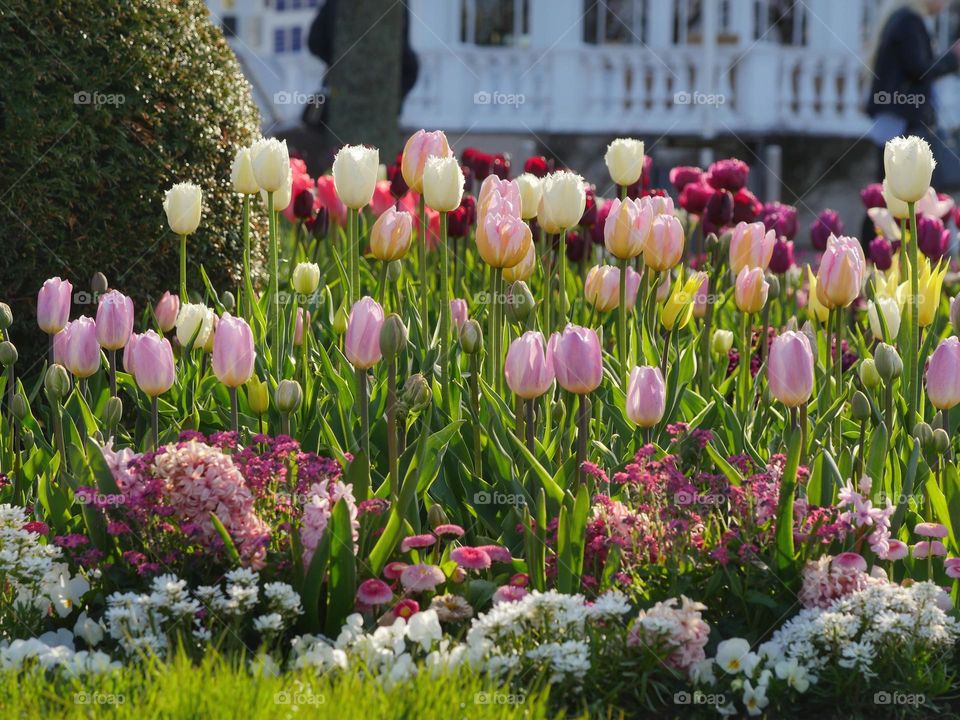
x,y
279,41
229,26
296,39
618,22
494,22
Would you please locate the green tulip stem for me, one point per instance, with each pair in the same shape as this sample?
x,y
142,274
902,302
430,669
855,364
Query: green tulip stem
x,y
424,294
913,348
363,405
113,373
183,269
529,425
155,418
247,280
583,423
392,453
743,367
444,314
275,289
234,410
622,342
475,410
382,285
562,249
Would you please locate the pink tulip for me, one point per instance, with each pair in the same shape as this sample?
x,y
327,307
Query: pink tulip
x,y
577,360
751,245
528,367
114,320
128,352
646,396
504,195
658,204
166,311
327,198
391,234
382,198
418,148
60,346
362,341
53,305
459,313
602,287
81,351
841,272
943,374
790,368
750,292
298,326
664,246
502,239
153,364
233,351
627,227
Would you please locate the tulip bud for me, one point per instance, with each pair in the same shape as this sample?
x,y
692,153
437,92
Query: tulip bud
x,y
8,353
153,364
394,268
80,350
923,434
528,367
773,289
53,305
340,321
56,382
361,344
520,302
523,270
908,164
562,202
27,439
112,411
577,359
418,148
721,342
258,395
943,374
114,320
938,421
20,406
751,290
860,406
471,337
288,396
393,336
888,362
436,516
841,272
99,284
416,393
166,311
194,325
940,442
306,278
751,245
182,203
228,301
646,396
868,373
6,316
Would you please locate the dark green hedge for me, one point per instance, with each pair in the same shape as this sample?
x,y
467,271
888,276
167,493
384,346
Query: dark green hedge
x,y
103,106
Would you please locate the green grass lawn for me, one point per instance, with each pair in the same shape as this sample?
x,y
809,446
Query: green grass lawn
x,y
218,688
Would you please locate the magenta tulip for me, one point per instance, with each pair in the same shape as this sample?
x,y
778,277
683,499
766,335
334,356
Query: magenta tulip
x,y
646,396
233,351
730,174
53,305
362,342
751,245
943,375
153,364
790,368
167,310
528,367
81,351
841,272
577,360
114,320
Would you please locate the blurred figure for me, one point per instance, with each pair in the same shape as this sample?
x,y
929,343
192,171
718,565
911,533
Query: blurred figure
x,y
902,98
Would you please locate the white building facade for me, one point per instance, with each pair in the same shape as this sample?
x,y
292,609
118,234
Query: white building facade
x,y
697,68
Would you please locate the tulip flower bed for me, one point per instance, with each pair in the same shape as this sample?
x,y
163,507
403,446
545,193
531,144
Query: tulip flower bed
x,y
543,451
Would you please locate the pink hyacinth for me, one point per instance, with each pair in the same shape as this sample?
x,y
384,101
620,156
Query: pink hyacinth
x,y
421,577
470,558
321,498
682,629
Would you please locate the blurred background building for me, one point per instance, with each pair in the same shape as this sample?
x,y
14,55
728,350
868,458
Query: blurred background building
x,y
780,83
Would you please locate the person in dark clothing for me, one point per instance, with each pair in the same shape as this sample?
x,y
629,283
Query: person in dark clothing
x,y
902,96
322,32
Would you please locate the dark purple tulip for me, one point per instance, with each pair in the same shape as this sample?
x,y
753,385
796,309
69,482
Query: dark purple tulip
x,y
683,175
576,246
881,253
746,207
782,258
695,196
730,174
719,211
596,230
872,196
398,186
932,239
781,218
828,222
589,217
303,204
461,219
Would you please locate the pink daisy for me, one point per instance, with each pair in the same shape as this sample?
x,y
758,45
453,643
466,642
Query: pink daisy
x,y
374,592
448,530
497,553
931,530
850,560
952,566
926,548
470,558
508,593
417,542
898,550
421,577
520,580
394,570
405,609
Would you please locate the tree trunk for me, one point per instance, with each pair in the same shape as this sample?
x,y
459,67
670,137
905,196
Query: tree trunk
x,y
364,80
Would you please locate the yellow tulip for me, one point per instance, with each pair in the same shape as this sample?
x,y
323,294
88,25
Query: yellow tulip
x,y
678,309
815,308
931,284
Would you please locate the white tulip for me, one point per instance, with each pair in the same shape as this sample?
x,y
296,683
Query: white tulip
x,y
908,163
897,207
271,163
563,201
282,197
355,174
624,160
182,204
195,322
531,190
241,173
891,314
442,183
